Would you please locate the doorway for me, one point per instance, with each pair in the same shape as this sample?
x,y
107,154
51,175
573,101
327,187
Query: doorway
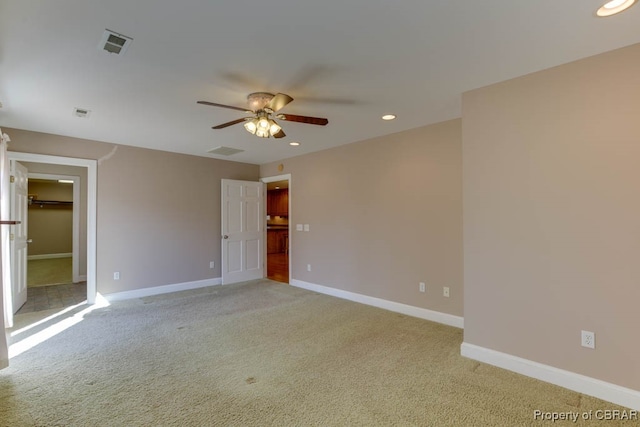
x,y
53,261
278,208
88,213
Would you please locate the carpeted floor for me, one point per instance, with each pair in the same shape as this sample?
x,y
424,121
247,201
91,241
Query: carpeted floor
x,y
261,353
53,271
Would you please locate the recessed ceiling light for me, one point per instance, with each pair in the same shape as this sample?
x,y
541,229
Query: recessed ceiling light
x,y
614,6
388,117
294,144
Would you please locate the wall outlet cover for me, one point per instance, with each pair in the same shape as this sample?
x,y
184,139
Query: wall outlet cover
x,y
588,339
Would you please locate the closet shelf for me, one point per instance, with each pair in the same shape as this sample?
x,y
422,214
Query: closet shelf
x,y
42,203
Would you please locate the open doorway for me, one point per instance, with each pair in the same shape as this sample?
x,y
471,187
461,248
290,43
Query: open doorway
x,y
278,251
88,173
54,262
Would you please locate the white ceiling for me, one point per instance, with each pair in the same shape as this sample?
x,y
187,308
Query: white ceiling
x,y
348,61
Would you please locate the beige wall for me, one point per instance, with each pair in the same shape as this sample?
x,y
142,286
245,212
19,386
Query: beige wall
x,y
551,216
158,215
50,226
384,214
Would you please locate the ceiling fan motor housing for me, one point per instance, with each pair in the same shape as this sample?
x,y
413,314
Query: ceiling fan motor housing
x,y
258,100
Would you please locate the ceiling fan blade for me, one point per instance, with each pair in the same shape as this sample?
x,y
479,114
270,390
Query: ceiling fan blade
x,y
280,134
278,101
303,119
231,123
213,104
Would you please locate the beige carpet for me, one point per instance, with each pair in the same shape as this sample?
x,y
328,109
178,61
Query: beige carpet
x,y
263,354
43,272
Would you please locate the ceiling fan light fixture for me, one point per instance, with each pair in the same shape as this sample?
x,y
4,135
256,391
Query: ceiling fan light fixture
x,y
614,7
264,106
262,133
274,128
251,126
263,123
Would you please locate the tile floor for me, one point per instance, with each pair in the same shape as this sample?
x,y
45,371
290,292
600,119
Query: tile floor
x,y
54,296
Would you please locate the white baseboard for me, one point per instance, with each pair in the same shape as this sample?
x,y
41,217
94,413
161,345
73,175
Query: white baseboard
x,y
158,290
409,310
50,256
570,380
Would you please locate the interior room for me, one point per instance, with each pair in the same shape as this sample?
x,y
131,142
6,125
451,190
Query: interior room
x,y
50,276
453,240
278,231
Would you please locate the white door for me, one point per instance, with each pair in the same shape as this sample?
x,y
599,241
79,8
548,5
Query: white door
x,y
19,199
242,231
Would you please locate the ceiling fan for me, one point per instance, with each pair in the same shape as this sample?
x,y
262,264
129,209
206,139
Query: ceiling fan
x,y
263,106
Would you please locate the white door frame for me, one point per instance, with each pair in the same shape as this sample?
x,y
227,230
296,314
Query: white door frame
x,y
92,175
75,232
285,177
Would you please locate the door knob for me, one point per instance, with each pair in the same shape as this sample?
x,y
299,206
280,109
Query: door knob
x,y
29,240
225,237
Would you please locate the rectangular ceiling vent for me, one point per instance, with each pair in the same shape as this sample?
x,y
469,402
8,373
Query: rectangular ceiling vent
x,y
113,42
83,113
224,151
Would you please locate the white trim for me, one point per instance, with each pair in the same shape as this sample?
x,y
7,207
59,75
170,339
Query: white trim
x,y
50,256
285,177
409,310
165,289
570,380
75,232
92,177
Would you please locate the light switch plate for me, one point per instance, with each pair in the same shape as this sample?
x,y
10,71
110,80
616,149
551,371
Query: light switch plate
x,y
306,227
298,227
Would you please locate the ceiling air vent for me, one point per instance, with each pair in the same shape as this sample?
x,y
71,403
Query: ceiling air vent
x,y
224,151
114,42
83,113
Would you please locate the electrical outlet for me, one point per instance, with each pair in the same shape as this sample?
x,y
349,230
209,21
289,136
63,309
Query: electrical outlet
x,y
308,267
588,339
212,264
445,291
422,287
116,275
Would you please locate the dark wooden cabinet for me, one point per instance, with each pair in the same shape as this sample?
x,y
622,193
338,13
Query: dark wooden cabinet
x,y
277,241
272,241
278,202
